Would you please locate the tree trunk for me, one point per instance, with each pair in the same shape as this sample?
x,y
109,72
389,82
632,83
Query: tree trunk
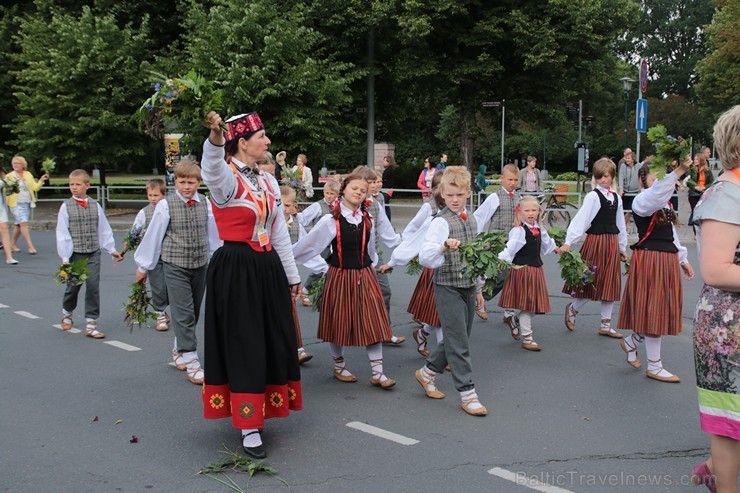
x,y
467,126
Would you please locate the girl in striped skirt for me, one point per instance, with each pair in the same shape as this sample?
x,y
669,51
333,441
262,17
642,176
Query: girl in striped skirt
x,y
602,219
422,306
653,298
352,311
525,288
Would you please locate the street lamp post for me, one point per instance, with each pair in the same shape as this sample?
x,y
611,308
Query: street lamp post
x,y
502,105
626,85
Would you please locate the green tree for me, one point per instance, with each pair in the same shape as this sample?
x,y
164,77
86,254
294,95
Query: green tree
x,y
719,73
78,84
670,35
268,60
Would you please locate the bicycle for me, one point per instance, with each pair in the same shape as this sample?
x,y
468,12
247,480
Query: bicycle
x,y
560,217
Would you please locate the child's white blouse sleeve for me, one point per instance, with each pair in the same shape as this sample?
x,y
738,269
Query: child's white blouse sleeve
x,y
65,246
315,241
431,255
147,254
683,253
139,220
421,216
517,240
547,244
652,199
485,212
309,214
583,218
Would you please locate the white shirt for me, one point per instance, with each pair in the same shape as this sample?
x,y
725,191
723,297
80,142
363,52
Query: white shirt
x,y
221,181
591,206
386,233
517,239
431,254
321,236
412,237
315,264
65,246
306,179
310,213
651,200
140,220
147,254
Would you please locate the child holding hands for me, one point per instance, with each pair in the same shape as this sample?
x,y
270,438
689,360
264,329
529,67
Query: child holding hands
x,y
82,230
453,290
525,288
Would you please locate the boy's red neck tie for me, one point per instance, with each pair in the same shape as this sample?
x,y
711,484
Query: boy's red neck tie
x,y
190,202
463,216
81,202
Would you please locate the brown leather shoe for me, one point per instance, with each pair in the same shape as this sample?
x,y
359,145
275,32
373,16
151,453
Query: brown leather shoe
x,y
304,357
428,385
529,344
397,340
513,323
423,346
482,314
655,374
479,411
610,333
67,322
377,381
636,362
338,374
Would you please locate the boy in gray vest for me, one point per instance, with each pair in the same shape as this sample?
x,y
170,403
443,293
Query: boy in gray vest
x,y
183,234
155,191
453,290
499,208
82,230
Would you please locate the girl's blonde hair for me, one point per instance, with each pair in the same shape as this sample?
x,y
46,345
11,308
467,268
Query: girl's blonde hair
x,y
603,167
518,221
457,176
286,191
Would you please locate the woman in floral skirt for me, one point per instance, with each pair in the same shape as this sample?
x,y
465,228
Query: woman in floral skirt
x,y
717,318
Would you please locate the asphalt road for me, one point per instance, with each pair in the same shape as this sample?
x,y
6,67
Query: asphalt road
x,y
573,418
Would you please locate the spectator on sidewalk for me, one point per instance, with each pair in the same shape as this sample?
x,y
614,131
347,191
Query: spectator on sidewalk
x,y
22,202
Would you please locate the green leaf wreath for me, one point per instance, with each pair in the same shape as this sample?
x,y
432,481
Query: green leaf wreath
x,y
48,165
73,274
576,272
480,258
137,309
667,149
179,101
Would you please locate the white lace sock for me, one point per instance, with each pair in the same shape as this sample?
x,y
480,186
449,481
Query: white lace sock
x,y
525,323
190,357
652,348
469,395
253,440
428,374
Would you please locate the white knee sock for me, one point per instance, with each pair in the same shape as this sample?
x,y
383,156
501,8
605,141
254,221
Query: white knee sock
x,y
336,351
606,310
655,365
525,323
580,303
375,351
437,331
253,440
632,341
375,355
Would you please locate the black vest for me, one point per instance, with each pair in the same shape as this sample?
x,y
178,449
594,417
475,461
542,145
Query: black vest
x,y
660,239
605,221
351,246
530,252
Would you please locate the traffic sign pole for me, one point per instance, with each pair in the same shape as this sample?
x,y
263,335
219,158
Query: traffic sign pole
x,y
640,107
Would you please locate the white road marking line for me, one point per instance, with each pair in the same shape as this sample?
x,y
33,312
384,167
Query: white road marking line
x,y
71,331
379,432
525,481
4,306
122,345
27,315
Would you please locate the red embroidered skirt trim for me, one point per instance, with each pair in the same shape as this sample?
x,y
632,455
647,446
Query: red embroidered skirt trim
x,y
251,410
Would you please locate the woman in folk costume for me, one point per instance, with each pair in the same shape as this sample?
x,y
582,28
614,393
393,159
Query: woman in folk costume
x,y
653,296
422,306
250,341
525,287
602,219
352,312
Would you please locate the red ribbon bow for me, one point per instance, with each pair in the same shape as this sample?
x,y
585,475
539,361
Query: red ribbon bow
x,y
463,216
368,202
82,203
190,202
535,231
511,195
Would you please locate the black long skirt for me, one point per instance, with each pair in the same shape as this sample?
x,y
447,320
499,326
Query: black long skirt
x,y
251,362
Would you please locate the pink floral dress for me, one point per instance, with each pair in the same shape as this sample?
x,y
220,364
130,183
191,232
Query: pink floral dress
x,y
717,329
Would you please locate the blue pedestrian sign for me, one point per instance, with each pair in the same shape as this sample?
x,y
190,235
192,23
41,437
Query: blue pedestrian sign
x,y
641,115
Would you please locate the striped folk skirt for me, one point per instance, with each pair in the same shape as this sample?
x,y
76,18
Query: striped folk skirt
x,y
423,306
353,312
603,252
653,295
525,289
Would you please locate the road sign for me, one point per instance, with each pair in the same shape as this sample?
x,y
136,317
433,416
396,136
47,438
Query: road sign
x,y
643,75
641,115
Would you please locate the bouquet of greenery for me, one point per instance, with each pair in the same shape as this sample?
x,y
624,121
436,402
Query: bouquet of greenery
x,y
414,268
558,235
480,258
132,240
73,274
180,101
667,149
291,178
316,292
576,272
11,187
138,307
48,165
